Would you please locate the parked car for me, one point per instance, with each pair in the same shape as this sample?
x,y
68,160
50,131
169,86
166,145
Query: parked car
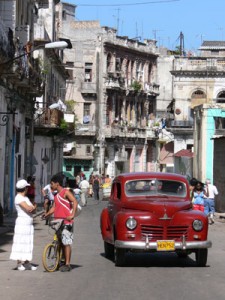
x,y
152,212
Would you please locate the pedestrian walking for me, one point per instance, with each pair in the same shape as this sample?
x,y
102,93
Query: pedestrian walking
x,y
48,194
96,187
84,186
91,185
22,247
64,207
198,196
209,202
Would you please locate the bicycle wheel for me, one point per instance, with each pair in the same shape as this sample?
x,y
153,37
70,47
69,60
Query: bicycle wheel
x,y
51,257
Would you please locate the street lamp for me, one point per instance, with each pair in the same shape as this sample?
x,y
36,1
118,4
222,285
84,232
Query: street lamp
x,y
51,45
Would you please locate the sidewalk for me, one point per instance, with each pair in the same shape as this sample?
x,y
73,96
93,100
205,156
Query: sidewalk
x,y
9,220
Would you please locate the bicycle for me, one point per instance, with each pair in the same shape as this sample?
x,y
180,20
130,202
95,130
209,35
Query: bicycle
x,y
53,254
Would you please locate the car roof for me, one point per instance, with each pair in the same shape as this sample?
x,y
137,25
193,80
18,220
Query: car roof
x,y
144,175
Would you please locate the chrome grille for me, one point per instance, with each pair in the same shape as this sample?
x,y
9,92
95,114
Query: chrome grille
x,y
164,233
176,232
153,232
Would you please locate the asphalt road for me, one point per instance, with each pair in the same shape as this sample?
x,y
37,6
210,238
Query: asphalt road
x,y
145,276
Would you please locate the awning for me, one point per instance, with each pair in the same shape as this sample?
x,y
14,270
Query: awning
x,y
68,175
216,136
184,153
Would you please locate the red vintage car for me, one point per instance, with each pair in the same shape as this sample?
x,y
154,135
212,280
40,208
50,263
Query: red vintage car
x,y
149,212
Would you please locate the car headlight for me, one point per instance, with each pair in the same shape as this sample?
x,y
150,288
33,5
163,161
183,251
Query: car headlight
x,y
131,223
197,225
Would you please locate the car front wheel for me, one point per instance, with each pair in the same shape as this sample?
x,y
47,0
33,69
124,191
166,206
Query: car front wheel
x,y
109,250
201,257
119,256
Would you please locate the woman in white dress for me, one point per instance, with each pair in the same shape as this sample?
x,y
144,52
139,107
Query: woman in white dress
x,y
22,248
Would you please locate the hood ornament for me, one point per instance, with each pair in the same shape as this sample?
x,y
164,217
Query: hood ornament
x,y
165,216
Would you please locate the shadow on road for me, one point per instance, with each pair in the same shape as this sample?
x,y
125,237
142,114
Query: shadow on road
x,y
160,260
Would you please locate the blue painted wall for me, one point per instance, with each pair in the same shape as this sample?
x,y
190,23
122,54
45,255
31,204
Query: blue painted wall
x,y
210,131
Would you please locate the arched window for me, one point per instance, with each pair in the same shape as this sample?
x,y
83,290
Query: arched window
x,y
198,95
221,97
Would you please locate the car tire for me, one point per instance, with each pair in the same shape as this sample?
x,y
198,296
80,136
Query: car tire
x,y
201,257
119,257
109,250
182,254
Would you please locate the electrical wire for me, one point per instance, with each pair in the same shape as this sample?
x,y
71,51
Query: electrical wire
x,y
128,4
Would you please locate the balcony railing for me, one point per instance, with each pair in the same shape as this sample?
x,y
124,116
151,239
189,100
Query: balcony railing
x,y
88,88
180,123
125,131
49,118
85,129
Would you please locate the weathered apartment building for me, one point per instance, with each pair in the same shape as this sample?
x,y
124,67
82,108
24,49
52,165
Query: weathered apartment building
x,y
114,86
195,115
29,130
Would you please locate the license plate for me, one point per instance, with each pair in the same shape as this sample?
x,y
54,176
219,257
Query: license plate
x,y
165,246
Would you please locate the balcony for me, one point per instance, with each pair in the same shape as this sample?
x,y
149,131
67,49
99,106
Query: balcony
x,y
121,156
115,80
88,88
48,122
24,73
40,33
181,123
125,131
85,130
6,48
180,126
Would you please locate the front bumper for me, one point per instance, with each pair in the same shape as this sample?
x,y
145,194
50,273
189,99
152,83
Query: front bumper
x,y
148,245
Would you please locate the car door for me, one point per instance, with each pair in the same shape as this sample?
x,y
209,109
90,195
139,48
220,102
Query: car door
x,y
115,202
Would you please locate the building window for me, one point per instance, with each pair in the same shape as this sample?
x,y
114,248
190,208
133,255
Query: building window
x,y
109,62
221,98
86,168
219,122
198,95
64,15
88,72
88,150
118,64
68,168
87,113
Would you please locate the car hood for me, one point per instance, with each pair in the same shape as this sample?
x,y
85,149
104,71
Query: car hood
x,y
158,207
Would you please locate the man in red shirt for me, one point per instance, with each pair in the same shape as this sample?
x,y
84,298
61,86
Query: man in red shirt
x,y
64,207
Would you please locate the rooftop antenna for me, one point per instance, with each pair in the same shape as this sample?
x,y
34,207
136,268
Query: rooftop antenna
x,y
222,32
201,37
118,20
155,33
181,43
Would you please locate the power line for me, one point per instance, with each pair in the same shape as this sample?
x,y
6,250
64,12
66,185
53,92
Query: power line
x,y
128,4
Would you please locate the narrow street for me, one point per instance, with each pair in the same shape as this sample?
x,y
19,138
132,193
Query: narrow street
x,y
148,276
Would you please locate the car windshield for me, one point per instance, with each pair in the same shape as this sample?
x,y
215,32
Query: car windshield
x,y
155,187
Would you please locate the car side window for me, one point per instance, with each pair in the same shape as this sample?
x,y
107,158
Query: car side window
x,y
118,191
